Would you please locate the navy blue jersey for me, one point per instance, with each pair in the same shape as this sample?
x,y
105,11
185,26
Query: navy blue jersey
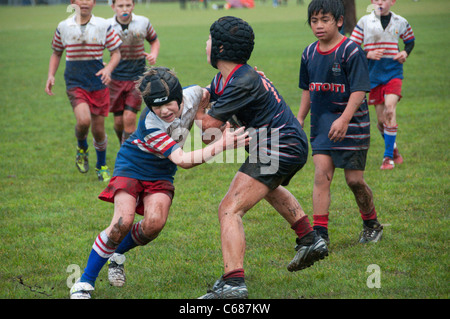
x,y
330,78
258,106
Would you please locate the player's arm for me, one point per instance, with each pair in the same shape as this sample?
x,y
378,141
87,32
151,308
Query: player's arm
x,y
55,59
339,127
305,106
229,139
402,55
105,73
154,52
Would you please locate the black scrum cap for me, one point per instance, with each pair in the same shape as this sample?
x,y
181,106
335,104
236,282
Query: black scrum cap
x,y
232,40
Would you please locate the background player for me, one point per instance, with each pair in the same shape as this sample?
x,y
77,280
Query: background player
x,y
380,32
84,37
334,78
145,167
133,30
238,91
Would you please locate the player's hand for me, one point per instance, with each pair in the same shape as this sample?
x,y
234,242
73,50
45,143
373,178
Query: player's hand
x,y
204,103
48,86
232,138
376,54
105,76
401,57
338,130
150,58
261,73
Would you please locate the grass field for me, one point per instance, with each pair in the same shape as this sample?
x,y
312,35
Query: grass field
x,y
50,214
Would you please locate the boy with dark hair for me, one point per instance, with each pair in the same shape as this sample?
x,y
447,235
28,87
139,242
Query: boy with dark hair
x,y
334,79
279,151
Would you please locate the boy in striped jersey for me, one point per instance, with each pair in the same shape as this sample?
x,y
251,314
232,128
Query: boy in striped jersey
x,y
84,37
133,30
380,32
334,78
144,173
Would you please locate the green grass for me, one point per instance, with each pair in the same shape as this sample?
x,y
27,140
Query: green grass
x,y
50,214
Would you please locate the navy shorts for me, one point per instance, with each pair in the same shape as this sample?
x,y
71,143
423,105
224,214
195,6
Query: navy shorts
x,y
346,159
271,173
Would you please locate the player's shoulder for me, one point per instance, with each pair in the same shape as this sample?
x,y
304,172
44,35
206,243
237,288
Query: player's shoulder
x,y
193,92
309,50
245,74
398,18
111,20
139,18
99,21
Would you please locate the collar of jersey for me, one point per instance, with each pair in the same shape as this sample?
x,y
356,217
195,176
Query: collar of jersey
x,y
219,80
92,20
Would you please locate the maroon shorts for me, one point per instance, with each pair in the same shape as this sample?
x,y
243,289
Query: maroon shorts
x,y
377,94
137,188
98,101
124,93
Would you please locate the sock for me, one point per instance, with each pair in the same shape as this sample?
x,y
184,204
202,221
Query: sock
x,y
390,134
321,220
83,144
132,239
369,218
98,257
236,275
302,227
100,149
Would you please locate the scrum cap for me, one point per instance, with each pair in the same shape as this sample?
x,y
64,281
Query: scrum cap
x,y
159,86
232,40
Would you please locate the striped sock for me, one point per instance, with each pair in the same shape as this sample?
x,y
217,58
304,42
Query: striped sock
x,y
134,238
100,253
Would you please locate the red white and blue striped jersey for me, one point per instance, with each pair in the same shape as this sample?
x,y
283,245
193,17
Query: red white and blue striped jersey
x,y
84,45
132,64
331,77
370,33
144,155
256,104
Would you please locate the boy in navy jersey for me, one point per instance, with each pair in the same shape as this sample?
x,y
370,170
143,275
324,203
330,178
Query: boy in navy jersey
x,y
278,151
145,168
84,37
134,31
335,78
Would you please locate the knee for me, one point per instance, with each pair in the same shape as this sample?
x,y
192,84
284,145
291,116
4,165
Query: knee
x,y
355,184
152,226
119,229
389,112
322,178
228,210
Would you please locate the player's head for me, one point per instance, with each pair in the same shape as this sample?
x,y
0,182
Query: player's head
x,y
159,86
382,7
123,10
83,8
333,7
232,39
